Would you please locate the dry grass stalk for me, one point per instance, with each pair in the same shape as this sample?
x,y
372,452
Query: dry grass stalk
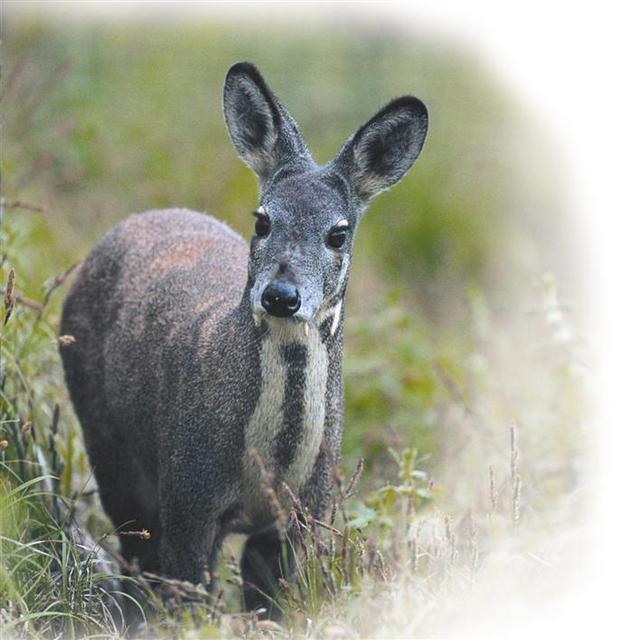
x,y
26,429
413,552
298,517
328,527
344,550
218,601
181,588
451,538
411,533
143,534
297,526
514,452
295,500
321,553
266,486
515,509
9,295
493,494
334,511
345,493
473,538
24,301
53,283
26,206
355,477
55,420
516,478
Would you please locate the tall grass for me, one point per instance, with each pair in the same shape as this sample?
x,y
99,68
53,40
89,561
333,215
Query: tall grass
x,y
406,545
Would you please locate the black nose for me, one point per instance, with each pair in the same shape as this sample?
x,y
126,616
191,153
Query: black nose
x,y
281,299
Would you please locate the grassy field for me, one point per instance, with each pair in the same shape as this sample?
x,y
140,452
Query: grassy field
x,y
469,411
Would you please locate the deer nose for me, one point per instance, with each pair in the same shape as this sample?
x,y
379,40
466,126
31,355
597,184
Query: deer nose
x,y
281,299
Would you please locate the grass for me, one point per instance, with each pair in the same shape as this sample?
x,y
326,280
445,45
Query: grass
x,y
424,536
469,414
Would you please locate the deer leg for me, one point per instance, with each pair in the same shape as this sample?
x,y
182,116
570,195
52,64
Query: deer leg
x,y
266,559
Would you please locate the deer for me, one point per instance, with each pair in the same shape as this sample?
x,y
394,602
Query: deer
x,y
202,362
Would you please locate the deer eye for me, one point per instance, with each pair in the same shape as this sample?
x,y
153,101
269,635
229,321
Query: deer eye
x,y
337,236
263,226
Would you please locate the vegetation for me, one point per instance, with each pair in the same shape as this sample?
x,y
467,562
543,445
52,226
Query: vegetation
x,y
465,370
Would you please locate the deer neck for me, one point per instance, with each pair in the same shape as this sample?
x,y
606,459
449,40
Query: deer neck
x,y
285,431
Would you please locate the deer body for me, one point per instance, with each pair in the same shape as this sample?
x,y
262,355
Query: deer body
x,y
202,363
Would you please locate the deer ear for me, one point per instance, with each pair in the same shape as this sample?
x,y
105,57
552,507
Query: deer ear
x,y
381,151
261,129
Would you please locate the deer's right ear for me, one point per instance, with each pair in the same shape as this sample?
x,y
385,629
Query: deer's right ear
x,y
263,132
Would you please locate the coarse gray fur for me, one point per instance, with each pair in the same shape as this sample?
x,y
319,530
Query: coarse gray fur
x,y
182,382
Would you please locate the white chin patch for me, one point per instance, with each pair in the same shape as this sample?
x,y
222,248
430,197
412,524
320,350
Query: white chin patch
x,y
287,329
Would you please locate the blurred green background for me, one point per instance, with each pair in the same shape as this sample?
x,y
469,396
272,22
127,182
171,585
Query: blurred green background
x,y
104,117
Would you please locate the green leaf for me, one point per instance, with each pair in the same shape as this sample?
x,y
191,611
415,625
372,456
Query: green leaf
x,y
364,518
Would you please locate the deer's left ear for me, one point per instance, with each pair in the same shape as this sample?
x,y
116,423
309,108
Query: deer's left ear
x,y
381,151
